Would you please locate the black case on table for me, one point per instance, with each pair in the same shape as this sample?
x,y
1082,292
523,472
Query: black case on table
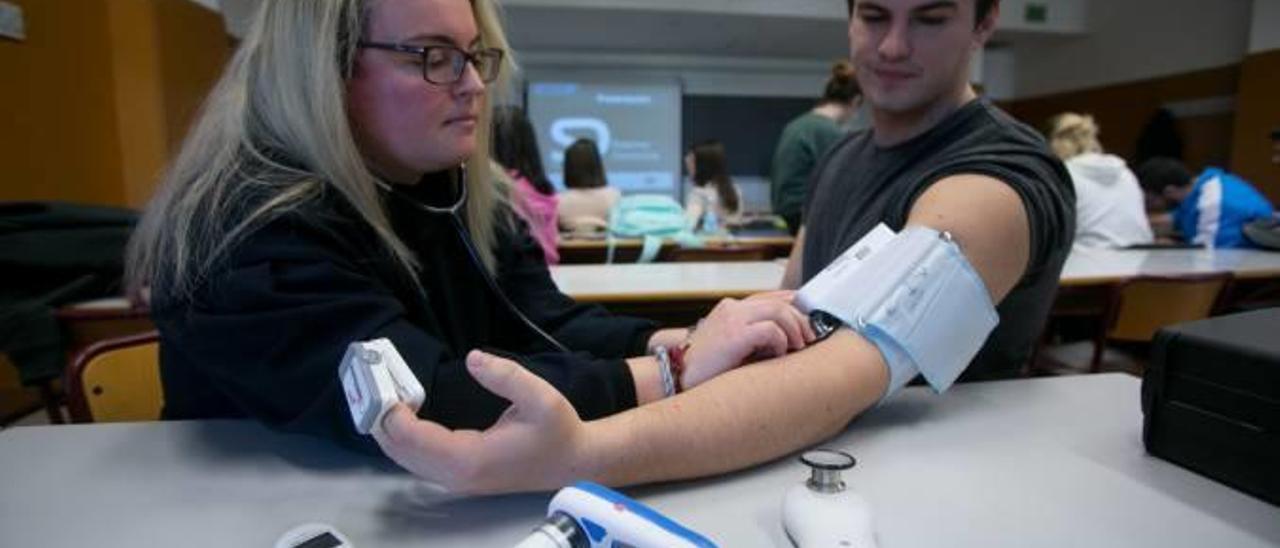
x,y
1211,400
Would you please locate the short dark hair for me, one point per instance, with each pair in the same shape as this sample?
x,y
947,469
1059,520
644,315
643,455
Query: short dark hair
x,y
1160,173
1275,134
981,8
582,165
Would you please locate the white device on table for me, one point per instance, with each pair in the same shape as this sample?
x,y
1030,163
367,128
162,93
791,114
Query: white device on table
x,y
375,377
822,512
588,515
313,535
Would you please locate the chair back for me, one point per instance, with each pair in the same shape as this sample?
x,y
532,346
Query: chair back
x,y
116,380
1140,306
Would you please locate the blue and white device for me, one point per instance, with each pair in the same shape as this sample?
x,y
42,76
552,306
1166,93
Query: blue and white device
x,y
586,514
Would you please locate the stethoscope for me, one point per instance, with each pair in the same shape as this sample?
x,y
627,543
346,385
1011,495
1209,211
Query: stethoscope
x,y
453,212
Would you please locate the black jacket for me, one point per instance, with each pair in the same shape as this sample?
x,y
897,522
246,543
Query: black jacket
x,y
53,254
264,333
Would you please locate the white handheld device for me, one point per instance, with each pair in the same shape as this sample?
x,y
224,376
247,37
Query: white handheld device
x,y
588,515
375,377
822,512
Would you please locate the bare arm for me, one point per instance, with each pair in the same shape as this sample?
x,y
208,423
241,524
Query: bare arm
x,y
988,221
795,263
756,413
743,417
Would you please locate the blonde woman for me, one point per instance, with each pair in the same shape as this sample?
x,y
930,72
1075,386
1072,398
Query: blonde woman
x,y
1109,203
321,200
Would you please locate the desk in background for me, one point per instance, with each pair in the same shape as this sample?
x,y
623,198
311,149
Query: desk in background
x,y
680,293
1039,462
1089,275
627,250
1087,267
673,294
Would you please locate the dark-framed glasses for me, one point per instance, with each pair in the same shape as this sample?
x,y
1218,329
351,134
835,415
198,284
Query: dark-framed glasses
x,y
444,65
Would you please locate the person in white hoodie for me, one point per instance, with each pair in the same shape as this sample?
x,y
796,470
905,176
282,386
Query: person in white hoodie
x,y
1110,211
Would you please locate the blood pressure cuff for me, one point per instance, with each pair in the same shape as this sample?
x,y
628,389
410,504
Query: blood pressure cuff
x,y
915,296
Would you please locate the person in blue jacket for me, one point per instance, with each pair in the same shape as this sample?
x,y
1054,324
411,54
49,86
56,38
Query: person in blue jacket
x,y
1210,209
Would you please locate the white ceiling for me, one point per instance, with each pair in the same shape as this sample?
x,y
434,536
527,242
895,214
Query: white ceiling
x,y
813,30
675,32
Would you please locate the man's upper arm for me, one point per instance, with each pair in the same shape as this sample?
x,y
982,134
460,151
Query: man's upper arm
x,y
988,220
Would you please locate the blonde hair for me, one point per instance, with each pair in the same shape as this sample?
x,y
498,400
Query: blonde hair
x,y
1072,134
274,133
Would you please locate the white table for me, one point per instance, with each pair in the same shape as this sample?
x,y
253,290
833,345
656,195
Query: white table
x,y
595,250
669,281
1096,266
1045,462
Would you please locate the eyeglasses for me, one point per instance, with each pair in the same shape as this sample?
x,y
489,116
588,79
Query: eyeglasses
x,y
444,65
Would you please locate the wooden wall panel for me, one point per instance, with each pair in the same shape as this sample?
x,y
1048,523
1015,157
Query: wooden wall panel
x,y
196,49
1257,113
1122,110
57,107
139,96
105,90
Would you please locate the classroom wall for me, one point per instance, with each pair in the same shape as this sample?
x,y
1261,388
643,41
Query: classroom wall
x,y
1000,73
1257,110
57,107
1264,35
1257,113
1136,40
108,87
1202,100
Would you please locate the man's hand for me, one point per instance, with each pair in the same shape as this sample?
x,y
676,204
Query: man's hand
x,y
534,446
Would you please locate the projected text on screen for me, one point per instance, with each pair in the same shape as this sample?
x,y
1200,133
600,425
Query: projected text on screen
x,y
636,128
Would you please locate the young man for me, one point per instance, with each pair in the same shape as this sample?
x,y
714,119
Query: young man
x,y
1211,209
941,160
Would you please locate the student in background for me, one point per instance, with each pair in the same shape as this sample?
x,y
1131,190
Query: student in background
x,y
1109,201
712,189
806,139
1210,209
587,199
515,147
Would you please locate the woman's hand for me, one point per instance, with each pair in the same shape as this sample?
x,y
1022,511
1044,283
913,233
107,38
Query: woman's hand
x,y
736,332
534,446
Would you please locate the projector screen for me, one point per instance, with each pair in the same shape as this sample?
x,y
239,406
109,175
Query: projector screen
x,y
635,126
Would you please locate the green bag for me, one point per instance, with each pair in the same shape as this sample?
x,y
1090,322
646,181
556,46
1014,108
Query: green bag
x,y
653,217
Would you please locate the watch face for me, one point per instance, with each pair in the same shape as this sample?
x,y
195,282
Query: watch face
x,y
823,324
